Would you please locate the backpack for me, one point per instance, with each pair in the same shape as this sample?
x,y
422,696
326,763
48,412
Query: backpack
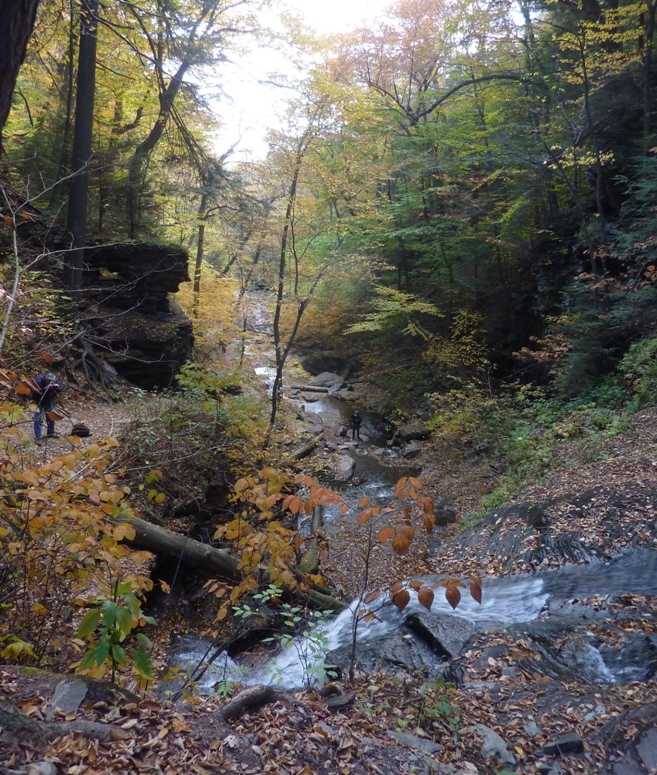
x,y
80,430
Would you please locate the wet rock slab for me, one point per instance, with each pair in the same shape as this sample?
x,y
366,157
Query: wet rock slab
x,y
450,634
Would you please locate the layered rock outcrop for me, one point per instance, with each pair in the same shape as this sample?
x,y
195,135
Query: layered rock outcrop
x,y
138,331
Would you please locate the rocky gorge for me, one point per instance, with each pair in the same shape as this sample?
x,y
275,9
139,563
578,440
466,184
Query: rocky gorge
x,y
555,669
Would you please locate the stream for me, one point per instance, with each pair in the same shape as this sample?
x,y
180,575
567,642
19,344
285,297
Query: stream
x,y
550,608
421,639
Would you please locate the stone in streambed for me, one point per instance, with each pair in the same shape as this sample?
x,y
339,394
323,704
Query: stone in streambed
x,y
647,750
411,450
415,742
570,743
67,697
344,468
450,633
532,729
493,745
328,380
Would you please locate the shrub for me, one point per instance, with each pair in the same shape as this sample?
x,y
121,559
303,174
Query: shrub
x,y
62,524
640,368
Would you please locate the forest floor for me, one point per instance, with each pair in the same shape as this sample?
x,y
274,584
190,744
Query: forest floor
x,y
395,723
392,722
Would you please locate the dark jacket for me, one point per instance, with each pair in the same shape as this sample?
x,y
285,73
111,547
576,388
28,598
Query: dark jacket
x,y
48,389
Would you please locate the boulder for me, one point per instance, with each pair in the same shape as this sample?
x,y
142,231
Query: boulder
x,y
344,468
448,633
414,430
317,362
393,649
444,512
328,380
411,450
493,746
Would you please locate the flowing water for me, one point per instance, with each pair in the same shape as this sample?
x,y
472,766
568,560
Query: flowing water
x,y
507,601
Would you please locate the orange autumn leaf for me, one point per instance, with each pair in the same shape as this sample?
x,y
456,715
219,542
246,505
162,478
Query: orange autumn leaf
x,y
425,597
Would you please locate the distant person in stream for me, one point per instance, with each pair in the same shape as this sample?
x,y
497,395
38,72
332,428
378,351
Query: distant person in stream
x,y
356,422
45,400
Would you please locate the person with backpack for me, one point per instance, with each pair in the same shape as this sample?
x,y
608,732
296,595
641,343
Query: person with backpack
x,y
45,396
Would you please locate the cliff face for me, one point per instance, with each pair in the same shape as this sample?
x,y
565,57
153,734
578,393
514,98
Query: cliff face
x,y
141,333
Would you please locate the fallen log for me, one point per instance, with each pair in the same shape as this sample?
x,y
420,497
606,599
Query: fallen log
x,y
312,389
190,552
17,726
162,541
305,450
251,697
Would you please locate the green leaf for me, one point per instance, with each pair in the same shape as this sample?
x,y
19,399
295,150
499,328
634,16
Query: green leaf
x,y
123,588
87,660
109,613
101,652
88,623
141,638
142,662
124,619
120,657
133,604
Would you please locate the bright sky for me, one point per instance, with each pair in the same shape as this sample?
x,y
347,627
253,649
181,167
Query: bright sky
x,y
250,108
336,15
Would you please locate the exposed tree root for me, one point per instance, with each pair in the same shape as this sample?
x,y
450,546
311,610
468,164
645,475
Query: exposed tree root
x,y
16,726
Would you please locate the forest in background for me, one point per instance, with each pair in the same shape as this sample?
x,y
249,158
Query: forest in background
x,y
464,190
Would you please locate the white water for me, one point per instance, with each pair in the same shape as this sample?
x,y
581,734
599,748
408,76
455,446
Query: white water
x,y
267,373
505,601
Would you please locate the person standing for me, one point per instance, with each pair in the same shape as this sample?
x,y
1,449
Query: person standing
x,y
45,401
356,422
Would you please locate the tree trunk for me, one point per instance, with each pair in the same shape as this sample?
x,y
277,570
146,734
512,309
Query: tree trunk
x,y
599,174
648,107
82,139
63,157
281,352
168,96
16,24
200,246
143,150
